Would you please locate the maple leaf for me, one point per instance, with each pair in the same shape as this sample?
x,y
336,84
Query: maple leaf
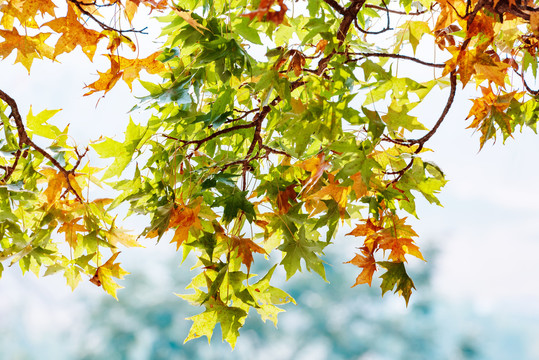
x,y
334,191
367,262
359,187
127,69
104,274
71,229
26,10
285,197
117,235
28,47
74,34
186,15
296,248
399,247
396,277
56,183
490,109
231,319
264,10
246,247
397,117
297,62
184,218
316,166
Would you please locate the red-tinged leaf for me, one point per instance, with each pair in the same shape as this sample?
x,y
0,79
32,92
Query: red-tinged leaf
x,y
297,62
366,229
264,11
184,218
482,24
399,247
333,191
285,198
367,262
245,248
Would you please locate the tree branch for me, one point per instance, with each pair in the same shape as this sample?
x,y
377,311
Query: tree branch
x,y
421,141
394,56
24,139
335,5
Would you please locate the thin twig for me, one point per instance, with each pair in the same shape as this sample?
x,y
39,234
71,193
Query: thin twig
x,y
394,56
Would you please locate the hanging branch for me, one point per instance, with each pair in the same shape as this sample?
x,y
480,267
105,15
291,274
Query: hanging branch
x,y
24,140
421,141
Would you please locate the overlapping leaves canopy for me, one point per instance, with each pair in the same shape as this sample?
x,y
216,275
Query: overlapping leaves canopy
x,y
274,124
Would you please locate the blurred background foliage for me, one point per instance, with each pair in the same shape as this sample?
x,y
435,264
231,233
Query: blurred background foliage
x,y
332,322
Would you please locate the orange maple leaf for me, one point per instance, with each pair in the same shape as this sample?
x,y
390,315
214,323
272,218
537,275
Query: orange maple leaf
x,y
316,166
246,247
26,10
184,218
74,34
367,262
127,69
71,228
359,187
399,247
397,239
28,47
334,191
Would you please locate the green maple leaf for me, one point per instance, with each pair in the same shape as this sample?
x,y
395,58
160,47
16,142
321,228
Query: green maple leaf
x,y
233,204
122,152
298,247
231,319
396,275
397,117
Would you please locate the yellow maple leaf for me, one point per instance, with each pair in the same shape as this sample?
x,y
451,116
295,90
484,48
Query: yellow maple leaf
x,y
71,229
74,34
25,11
28,47
104,274
56,183
127,69
118,235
